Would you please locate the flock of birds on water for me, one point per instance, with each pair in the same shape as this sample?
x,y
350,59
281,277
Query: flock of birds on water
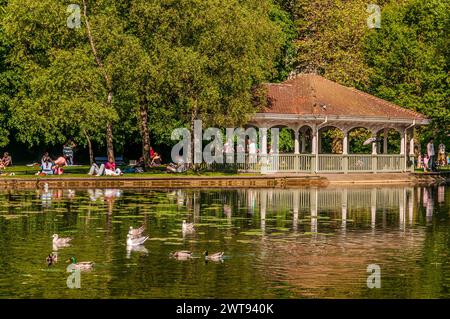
x,y
135,241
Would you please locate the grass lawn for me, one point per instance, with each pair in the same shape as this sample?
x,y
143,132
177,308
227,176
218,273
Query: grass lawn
x,y
440,169
81,171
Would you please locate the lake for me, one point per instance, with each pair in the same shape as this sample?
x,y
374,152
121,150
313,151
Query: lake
x,y
278,243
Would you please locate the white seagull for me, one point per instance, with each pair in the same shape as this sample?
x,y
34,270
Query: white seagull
x,y
188,227
60,241
135,241
136,232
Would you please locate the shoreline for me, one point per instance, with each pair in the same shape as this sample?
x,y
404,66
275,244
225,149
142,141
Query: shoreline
x,y
257,181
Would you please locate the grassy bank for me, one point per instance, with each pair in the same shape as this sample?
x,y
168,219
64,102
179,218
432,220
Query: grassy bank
x,y
81,171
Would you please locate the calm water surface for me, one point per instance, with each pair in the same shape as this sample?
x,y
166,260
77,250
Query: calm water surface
x,y
278,243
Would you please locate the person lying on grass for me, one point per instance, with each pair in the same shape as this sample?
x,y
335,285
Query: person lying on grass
x,y
108,169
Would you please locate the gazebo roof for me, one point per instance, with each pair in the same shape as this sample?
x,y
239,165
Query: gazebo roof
x,y
312,95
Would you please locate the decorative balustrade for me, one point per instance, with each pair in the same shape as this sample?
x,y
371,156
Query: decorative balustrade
x,y
310,163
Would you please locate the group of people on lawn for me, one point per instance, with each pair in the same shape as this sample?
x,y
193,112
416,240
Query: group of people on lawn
x,y
110,169
52,167
48,166
430,161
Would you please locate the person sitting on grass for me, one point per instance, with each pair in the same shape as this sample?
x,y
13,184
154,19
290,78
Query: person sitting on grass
x,y
46,158
96,170
140,165
180,167
59,164
156,160
151,153
136,168
5,161
111,170
46,167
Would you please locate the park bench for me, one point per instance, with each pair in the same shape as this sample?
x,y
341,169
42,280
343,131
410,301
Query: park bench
x,y
103,159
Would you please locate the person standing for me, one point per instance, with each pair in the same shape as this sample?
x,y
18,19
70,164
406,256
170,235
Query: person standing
x,y
68,151
431,155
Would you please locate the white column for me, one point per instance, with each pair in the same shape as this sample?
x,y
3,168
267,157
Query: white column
x,y
374,148
385,141
296,143
402,143
411,143
314,141
263,132
345,144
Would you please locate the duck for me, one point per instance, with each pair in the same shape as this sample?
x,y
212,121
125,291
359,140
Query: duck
x,y
51,259
60,241
188,227
131,241
182,254
82,265
214,257
136,232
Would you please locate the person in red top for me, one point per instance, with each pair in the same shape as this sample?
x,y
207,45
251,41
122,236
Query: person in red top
x,y
110,165
110,169
59,163
152,153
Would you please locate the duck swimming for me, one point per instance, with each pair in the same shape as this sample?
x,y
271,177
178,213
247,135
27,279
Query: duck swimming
x,y
82,265
60,241
182,254
51,259
214,257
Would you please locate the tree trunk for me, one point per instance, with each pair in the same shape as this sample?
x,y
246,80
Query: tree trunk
x,y
144,132
109,134
91,153
109,142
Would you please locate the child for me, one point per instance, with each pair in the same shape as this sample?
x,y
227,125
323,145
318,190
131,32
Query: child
x,y
425,163
419,161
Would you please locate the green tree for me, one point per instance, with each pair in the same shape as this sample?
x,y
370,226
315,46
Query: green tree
x,y
409,57
68,84
212,54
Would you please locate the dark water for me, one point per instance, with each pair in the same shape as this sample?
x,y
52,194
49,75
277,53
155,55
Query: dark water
x,y
278,243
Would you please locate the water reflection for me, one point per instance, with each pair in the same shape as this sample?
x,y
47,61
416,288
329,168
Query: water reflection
x,y
308,242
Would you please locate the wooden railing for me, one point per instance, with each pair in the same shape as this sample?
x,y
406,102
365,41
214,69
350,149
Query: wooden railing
x,y
330,163
390,163
360,163
310,163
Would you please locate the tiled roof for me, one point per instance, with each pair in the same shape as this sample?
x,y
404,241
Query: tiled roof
x,y
311,94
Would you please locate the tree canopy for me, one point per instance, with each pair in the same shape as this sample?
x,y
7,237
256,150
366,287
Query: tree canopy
x,y
133,71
